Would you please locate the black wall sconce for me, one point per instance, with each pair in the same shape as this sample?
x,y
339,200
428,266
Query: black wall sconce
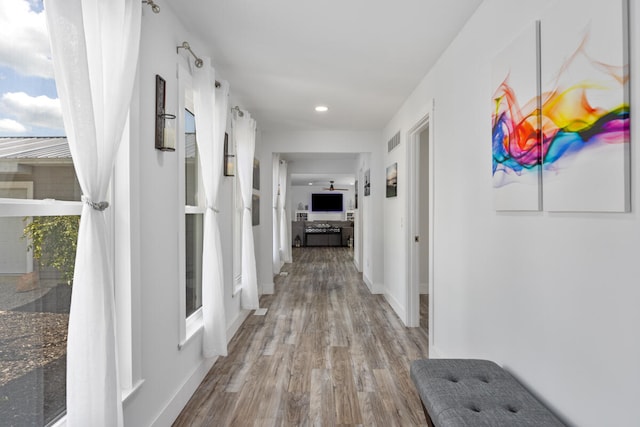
x,y
229,158
165,136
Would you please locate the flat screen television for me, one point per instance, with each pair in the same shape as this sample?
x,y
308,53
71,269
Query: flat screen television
x,y
326,202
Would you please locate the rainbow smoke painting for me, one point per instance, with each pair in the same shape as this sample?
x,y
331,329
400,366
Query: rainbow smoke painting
x,y
576,129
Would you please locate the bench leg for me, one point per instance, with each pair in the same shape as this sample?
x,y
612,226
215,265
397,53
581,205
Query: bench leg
x,y
426,415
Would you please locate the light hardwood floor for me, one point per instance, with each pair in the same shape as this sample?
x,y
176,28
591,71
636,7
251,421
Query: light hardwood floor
x,y
327,353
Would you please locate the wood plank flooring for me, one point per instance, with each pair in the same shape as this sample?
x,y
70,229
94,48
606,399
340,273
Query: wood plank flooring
x,y
327,353
424,312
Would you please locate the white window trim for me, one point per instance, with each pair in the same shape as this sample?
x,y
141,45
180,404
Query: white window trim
x,y
237,236
188,326
126,259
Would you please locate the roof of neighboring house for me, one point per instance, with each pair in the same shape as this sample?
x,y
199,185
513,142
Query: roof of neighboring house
x,y
55,147
34,148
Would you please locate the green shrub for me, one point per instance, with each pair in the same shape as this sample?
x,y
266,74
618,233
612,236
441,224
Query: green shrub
x,y
53,241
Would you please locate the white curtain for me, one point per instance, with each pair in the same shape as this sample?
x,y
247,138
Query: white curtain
x,y
211,118
95,54
285,241
244,134
275,169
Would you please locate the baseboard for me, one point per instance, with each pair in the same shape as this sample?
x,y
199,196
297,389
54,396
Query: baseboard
x,y
182,396
268,288
435,353
397,307
373,287
184,393
232,329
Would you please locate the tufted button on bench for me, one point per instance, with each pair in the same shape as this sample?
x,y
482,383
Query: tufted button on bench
x,y
476,393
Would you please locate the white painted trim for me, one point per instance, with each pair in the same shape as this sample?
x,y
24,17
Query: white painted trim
x,y
268,288
413,284
397,307
374,288
193,326
367,282
45,207
179,400
435,353
356,265
233,328
424,289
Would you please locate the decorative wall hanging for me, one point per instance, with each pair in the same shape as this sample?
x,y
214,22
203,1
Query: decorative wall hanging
x,y
256,174
165,139
392,180
255,209
516,125
585,107
367,182
564,147
229,157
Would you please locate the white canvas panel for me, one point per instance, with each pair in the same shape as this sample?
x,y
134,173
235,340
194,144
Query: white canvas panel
x,y
585,107
515,144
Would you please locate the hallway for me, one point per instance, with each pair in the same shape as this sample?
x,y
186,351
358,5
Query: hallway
x,y
326,353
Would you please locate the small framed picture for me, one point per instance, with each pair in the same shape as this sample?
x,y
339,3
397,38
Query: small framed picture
x,y
256,174
392,180
229,157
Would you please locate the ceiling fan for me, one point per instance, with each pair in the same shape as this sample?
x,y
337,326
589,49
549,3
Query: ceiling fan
x,y
332,188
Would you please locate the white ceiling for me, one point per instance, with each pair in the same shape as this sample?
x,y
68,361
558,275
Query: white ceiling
x,y
342,176
361,58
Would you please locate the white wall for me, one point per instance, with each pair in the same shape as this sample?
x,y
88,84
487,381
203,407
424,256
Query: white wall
x,y
168,374
552,297
331,142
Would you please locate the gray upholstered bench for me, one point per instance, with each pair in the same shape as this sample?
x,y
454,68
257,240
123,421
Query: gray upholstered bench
x,y
476,393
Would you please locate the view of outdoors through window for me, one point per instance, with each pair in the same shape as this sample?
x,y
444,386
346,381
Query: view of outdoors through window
x,y
36,252
193,218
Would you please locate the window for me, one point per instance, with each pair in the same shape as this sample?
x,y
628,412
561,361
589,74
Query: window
x,y
194,215
39,216
193,208
237,233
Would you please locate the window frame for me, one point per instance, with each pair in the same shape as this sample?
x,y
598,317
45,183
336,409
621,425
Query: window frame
x,y
194,323
237,237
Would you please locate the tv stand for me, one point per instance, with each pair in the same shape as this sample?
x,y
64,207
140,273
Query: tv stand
x,y
323,236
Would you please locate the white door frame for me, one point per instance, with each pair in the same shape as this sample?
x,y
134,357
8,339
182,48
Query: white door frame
x,y
413,230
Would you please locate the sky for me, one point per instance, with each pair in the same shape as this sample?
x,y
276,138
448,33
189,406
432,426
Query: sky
x,y
29,104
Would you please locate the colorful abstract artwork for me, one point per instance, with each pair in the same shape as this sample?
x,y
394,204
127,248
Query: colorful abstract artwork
x,y
585,107
516,124
564,146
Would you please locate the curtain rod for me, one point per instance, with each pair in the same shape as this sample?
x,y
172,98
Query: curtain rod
x,y
198,62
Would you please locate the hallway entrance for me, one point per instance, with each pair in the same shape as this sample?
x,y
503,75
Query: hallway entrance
x,y
327,352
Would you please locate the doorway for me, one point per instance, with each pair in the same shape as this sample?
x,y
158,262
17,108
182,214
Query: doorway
x,y
420,287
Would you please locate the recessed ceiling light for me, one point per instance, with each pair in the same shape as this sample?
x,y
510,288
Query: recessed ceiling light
x,y
322,108
311,183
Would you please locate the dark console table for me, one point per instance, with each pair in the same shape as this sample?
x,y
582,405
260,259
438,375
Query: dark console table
x,y
323,236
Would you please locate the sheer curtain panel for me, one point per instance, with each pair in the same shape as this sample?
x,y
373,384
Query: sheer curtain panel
x,y
275,170
244,133
94,47
211,108
285,242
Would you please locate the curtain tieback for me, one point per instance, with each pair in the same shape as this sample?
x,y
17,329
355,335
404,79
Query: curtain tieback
x,y
213,209
248,208
99,206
